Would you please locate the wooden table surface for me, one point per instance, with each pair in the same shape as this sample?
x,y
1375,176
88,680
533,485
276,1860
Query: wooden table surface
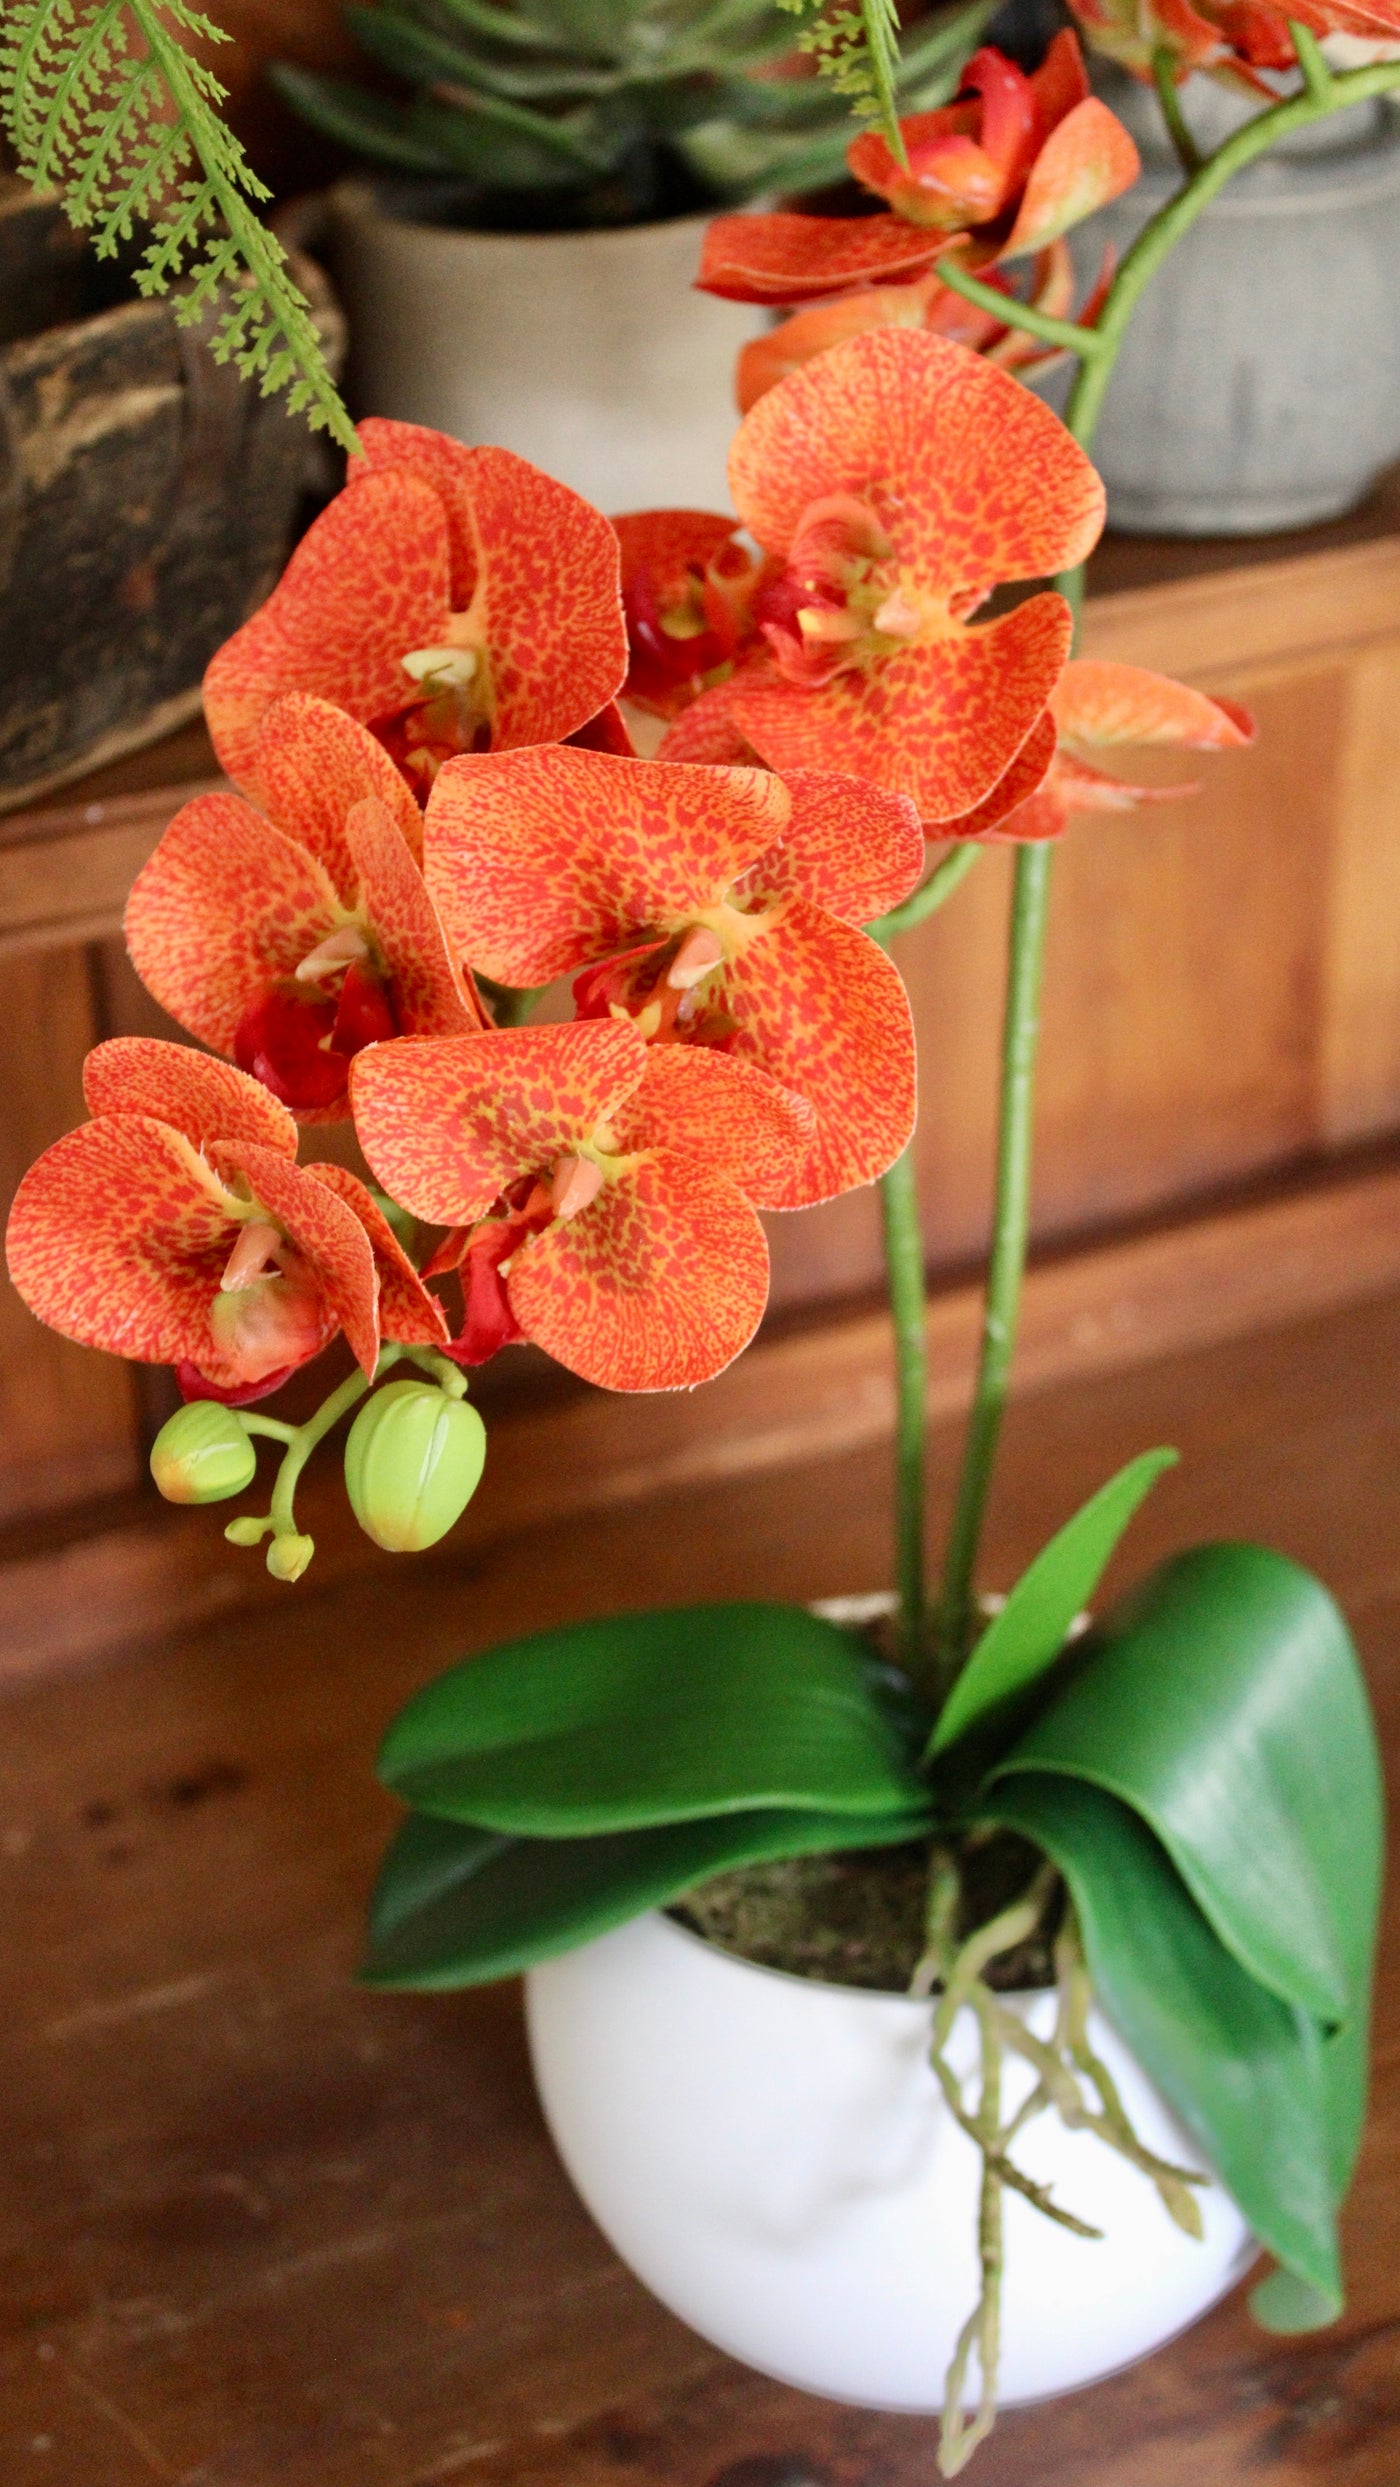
x,y
263,2230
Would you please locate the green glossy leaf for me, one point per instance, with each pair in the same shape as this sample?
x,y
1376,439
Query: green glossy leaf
x,y
1222,1701
1029,1633
456,1906
656,1718
1243,2070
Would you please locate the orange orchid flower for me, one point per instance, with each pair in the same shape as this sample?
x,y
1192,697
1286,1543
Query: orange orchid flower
x,y
1231,39
895,482
289,940
451,599
714,907
688,586
177,1228
1000,173
1097,707
617,1182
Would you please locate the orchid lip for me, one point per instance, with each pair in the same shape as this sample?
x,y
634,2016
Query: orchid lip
x,y
700,952
258,1243
574,1185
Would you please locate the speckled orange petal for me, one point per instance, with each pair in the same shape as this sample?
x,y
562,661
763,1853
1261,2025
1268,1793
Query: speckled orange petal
x,y
730,1116
539,861
119,1236
1100,703
788,258
550,601
768,358
406,1310
315,761
327,1234
977,482
367,583
436,459
666,544
431,996
658,1285
820,1007
1084,789
448,1122
706,733
226,906
605,732
1012,792
1087,161
849,846
940,722
204,1099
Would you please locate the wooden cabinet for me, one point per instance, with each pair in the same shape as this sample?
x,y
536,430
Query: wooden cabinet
x,y
1223,984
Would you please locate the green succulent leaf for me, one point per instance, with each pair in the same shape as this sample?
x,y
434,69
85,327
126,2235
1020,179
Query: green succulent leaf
x,y
1025,1639
1246,2073
655,1718
1223,1703
456,1906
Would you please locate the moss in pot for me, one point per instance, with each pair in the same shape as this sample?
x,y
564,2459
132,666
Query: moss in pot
x,y
518,268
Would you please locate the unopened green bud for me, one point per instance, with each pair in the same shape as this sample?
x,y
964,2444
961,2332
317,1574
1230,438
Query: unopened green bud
x,y
413,1461
203,1453
288,1556
247,1531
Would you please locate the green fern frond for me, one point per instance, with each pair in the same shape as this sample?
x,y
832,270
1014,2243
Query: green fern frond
x,y
102,101
856,46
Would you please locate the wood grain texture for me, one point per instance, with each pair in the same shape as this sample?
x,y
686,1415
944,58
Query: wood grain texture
x,y
260,2227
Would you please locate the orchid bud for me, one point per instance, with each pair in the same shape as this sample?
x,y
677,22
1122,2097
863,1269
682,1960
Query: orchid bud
x,y
203,1453
288,1555
413,1461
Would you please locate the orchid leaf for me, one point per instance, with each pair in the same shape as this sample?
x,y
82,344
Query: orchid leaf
x,y
1246,2073
1029,1633
457,1906
656,1718
1223,1703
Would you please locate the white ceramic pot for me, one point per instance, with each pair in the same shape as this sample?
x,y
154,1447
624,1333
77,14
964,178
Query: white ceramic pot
x,y
774,2159
590,353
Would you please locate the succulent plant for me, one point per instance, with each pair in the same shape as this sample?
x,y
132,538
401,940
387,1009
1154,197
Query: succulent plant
x,y
626,107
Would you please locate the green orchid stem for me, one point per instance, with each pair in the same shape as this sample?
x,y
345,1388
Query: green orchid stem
x,y
304,1439
1015,314
1169,97
904,1264
1317,77
930,894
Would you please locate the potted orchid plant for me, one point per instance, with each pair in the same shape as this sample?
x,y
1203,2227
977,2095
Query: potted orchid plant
x,y
1106,1889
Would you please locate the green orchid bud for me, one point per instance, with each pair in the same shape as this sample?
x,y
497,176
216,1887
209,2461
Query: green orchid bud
x,y
288,1556
413,1461
203,1453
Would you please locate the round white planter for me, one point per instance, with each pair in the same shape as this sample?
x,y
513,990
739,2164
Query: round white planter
x,y
774,2159
590,353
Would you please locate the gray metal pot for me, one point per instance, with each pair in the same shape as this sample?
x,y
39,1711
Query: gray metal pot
x,y
1259,386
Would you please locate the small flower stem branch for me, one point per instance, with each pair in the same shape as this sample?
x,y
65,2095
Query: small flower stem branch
x,y
449,1376
306,1437
271,1426
1169,97
1012,313
1317,77
930,894
904,1266
1010,1231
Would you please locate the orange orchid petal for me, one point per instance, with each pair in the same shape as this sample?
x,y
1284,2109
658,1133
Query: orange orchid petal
x,y
992,818
667,544
940,722
1061,81
658,1285
448,1122
1098,702
406,1310
550,598
226,905
849,846
949,182
204,1099
313,763
1087,161
989,486
789,258
368,581
767,359
820,1008
431,997
446,466
727,1114
605,732
118,1238
705,733
327,1234
542,860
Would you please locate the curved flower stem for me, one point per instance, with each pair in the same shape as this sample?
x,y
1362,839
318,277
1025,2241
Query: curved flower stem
x,y
1168,96
1317,77
1013,313
930,894
299,1450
